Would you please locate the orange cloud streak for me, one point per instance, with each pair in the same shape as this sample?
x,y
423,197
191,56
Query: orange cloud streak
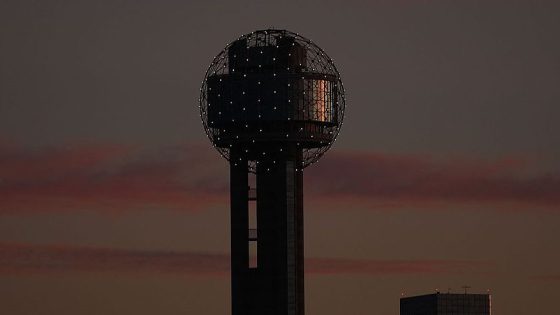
x,y
17,258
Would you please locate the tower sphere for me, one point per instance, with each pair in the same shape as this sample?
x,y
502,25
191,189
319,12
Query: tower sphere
x,y
270,90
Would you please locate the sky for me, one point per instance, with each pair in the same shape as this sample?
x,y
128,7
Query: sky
x,y
446,173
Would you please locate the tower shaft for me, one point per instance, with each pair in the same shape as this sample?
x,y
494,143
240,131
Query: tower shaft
x,y
270,281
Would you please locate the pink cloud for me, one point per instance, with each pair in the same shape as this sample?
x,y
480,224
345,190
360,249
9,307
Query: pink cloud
x,y
393,180
17,258
108,178
193,177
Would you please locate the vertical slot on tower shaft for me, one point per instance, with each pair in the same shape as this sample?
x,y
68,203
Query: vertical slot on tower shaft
x,y
253,262
252,201
252,220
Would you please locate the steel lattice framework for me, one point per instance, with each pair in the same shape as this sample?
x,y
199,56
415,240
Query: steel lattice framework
x,y
269,88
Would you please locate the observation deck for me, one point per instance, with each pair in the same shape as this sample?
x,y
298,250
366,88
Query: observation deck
x,y
270,94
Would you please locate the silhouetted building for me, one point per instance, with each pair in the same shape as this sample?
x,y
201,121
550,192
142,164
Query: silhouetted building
x,y
272,103
446,304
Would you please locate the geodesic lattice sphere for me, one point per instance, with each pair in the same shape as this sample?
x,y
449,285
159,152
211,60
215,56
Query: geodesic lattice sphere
x,y
269,89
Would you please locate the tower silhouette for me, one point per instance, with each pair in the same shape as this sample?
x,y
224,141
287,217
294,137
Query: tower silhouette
x,y
272,102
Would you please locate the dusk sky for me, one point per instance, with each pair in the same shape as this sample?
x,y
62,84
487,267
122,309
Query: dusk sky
x,y
446,172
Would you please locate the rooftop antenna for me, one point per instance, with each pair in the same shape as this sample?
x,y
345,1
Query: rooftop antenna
x,y
465,287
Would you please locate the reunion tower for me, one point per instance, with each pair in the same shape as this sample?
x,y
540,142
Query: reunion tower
x,y
272,103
